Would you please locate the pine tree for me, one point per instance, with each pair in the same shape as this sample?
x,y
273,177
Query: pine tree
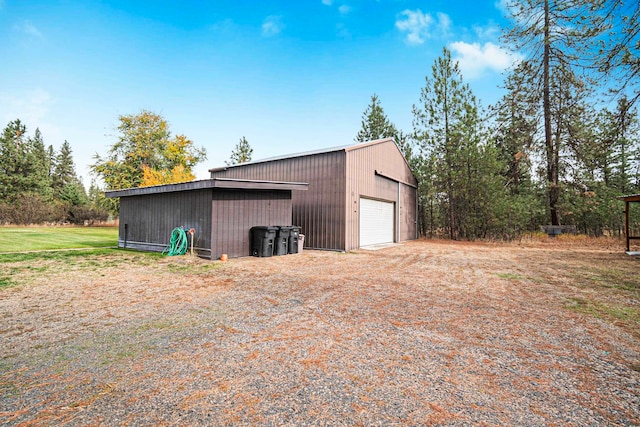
x,y
558,37
515,129
626,159
405,144
64,171
375,124
97,199
619,52
12,157
74,194
38,178
24,164
51,158
456,153
241,153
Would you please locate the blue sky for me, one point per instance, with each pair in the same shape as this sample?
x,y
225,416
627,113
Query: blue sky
x,y
289,76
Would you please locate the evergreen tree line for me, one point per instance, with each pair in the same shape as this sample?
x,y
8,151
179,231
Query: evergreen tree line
x,y
38,184
483,173
544,154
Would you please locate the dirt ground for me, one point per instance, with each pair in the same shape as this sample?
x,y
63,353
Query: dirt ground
x,y
423,333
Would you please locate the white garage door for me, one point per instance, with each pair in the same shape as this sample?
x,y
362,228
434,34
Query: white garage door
x,y
376,222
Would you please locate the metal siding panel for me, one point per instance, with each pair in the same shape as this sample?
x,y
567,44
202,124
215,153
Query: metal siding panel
x,y
320,209
152,217
362,180
124,216
215,219
238,211
408,214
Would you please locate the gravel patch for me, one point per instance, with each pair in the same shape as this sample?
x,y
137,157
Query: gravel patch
x,y
424,333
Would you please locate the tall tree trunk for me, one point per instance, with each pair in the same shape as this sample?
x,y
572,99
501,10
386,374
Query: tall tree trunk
x,y
452,233
449,161
552,161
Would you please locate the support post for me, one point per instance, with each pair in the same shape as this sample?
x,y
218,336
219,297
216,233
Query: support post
x,y
626,222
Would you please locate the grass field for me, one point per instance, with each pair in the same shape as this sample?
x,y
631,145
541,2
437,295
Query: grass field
x,y
21,239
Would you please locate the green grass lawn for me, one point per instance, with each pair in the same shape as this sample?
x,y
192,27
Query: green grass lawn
x,y
19,239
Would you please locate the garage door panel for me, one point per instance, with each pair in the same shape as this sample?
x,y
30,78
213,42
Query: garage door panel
x,y
376,222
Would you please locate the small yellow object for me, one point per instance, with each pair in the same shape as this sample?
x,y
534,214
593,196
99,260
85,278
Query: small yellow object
x,y
224,257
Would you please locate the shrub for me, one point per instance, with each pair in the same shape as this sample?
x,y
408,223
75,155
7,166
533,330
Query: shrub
x,y
82,214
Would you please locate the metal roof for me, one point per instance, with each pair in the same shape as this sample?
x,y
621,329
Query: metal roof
x,y
240,184
345,148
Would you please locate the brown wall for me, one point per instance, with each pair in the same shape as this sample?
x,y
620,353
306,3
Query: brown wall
x,y
362,181
222,218
408,213
151,218
233,213
320,209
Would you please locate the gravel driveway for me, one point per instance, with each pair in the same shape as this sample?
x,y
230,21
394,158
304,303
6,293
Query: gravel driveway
x,y
424,333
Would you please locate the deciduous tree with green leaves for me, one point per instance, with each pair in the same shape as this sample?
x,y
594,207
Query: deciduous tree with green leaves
x,y
145,141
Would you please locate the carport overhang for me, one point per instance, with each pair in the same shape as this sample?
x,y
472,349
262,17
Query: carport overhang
x,y
228,183
633,198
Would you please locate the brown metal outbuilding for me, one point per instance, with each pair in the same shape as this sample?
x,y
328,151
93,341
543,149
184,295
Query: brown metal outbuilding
x,y
350,189
222,212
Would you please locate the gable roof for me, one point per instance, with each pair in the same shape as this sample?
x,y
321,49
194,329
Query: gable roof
x,y
345,148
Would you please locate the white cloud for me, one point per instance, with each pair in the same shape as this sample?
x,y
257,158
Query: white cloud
x,y
491,31
511,10
418,25
28,28
415,24
224,26
444,23
342,31
475,59
31,108
35,109
272,26
503,6
344,9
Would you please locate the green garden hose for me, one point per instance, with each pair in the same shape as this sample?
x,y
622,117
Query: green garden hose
x,y
178,243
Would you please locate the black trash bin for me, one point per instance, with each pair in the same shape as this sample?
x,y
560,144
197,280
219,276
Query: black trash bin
x,y
262,240
281,246
293,239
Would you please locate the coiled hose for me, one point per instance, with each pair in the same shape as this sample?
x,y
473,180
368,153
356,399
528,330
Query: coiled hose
x,y
178,243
